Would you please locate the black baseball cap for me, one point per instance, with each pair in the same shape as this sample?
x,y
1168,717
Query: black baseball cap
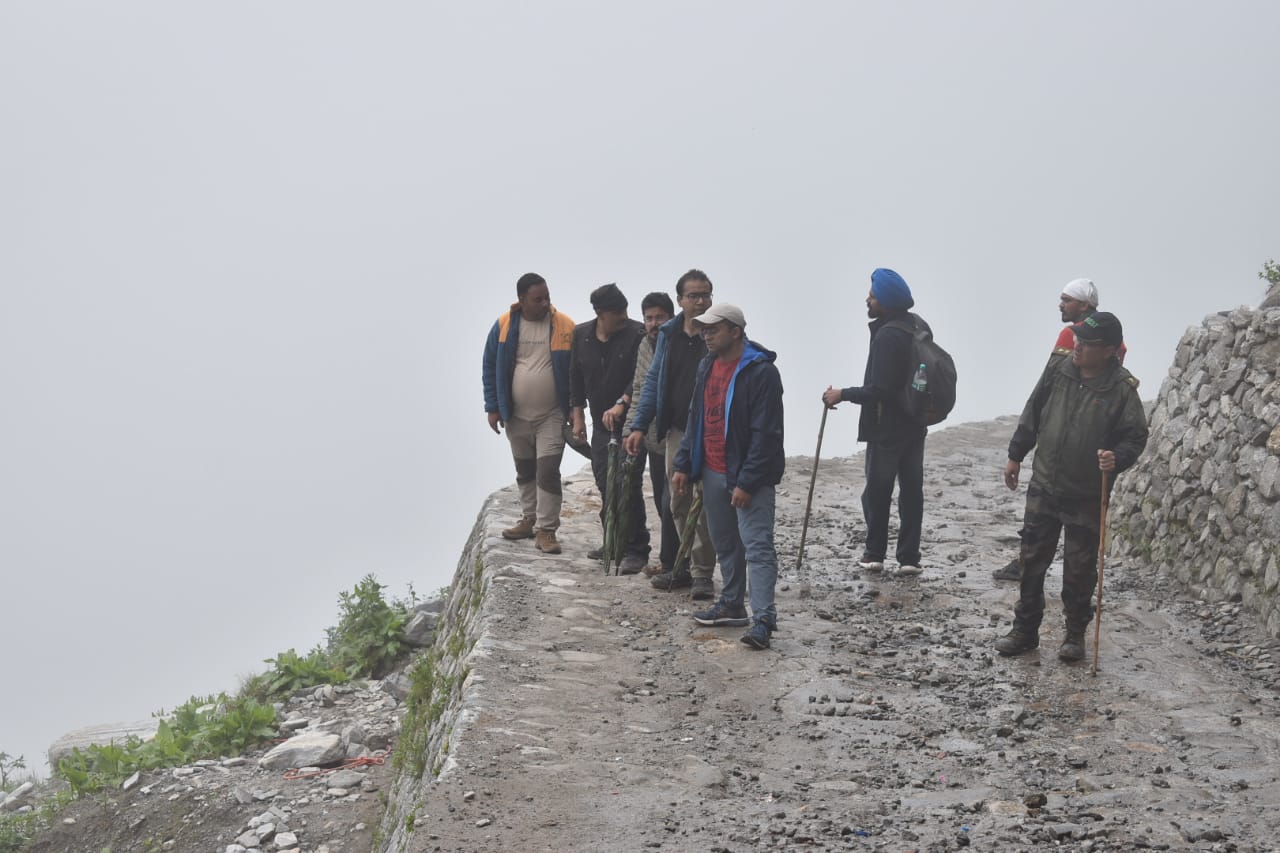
x,y
1100,327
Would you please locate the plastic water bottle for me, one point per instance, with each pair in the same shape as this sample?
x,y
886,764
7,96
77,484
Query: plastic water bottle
x,y
920,382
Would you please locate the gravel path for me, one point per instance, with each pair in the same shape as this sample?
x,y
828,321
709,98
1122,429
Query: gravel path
x,y
879,720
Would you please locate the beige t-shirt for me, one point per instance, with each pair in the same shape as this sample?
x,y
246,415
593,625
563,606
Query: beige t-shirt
x,y
533,387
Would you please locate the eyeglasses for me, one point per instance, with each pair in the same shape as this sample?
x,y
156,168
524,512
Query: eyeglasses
x,y
698,295
1092,343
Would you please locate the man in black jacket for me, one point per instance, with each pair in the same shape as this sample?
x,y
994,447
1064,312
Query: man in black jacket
x,y
895,444
600,374
733,444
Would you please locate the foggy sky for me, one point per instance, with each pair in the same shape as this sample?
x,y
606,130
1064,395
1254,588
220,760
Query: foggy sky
x,y
249,254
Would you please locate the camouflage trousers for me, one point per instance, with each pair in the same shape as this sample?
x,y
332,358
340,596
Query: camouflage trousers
x,y
1046,518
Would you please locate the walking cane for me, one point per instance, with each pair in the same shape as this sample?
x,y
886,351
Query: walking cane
x,y
813,479
1102,551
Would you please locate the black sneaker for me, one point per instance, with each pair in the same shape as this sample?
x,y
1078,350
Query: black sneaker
x,y
1011,572
1016,642
704,589
758,636
723,615
667,581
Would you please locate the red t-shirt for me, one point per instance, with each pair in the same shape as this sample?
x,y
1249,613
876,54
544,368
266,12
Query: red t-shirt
x,y
713,414
1067,342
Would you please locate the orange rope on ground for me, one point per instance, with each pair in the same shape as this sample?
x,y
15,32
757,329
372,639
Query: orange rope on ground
x,y
377,758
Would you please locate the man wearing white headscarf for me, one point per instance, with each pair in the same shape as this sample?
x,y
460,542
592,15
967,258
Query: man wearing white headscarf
x,y
1078,300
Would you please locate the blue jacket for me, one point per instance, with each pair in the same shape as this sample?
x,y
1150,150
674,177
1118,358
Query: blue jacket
x,y
648,408
500,360
754,456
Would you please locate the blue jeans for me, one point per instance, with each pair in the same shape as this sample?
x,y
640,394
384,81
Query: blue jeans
x,y
743,539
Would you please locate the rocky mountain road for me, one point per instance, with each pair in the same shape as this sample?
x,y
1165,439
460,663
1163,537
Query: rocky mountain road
x,y
604,719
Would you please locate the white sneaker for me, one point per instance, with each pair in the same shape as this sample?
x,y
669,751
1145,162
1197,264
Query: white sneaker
x,y
909,571
872,566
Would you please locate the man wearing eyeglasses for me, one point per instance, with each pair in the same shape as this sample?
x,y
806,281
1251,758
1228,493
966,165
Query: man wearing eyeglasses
x,y
1079,299
1083,417
665,399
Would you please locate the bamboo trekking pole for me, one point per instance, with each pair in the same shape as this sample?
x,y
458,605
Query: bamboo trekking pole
x,y
813,479
610,497
1102,552
690,529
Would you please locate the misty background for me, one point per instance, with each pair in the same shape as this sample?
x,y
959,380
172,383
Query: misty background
x,y
249,254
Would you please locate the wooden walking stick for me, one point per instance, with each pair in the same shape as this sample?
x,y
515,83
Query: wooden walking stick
x,y
813,479
1102,551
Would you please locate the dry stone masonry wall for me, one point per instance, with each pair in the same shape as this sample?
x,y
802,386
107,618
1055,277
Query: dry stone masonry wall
x,y
1203,503
437,689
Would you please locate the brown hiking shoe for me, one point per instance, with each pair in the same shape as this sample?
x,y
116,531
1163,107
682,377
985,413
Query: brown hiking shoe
x,y
522,530
546,542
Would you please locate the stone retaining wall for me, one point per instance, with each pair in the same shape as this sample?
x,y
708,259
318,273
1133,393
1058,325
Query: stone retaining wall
x,y
441,689
1203,502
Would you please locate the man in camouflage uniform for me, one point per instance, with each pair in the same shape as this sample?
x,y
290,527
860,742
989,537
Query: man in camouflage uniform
x,y
1084,417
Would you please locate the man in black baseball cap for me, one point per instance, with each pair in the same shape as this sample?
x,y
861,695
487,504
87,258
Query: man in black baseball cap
x,y
1086,417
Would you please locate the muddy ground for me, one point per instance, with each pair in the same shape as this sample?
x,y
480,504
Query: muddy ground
x,y
880,720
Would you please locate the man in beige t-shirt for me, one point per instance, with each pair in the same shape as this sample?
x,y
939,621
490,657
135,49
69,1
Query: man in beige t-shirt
x,y
526,390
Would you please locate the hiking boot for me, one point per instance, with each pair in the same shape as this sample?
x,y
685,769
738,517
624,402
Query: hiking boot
x,y
1016,642
1011,572
1072,648
631,564
871,564
758,636
703,589
522,530
666,580
545,541
909,570
654,571
596,553
722,614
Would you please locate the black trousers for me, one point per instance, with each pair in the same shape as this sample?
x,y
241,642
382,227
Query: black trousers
x,y
1046,518
900,459
662,500
637,527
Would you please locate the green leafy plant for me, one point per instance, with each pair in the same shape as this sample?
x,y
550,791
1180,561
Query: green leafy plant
x,y
202,727
369,638
1270,272
18,829
9,765
290,672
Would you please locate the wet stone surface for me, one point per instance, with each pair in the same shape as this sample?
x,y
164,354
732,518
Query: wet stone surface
x,y
880,719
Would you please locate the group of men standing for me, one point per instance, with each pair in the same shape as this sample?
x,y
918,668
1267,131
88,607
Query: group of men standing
x,y
698,401
688,394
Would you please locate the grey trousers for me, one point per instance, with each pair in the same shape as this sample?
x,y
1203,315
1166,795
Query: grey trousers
x,y
537,447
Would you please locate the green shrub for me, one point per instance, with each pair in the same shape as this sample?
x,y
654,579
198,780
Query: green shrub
x,y
203,727
291,672
369,638
17,830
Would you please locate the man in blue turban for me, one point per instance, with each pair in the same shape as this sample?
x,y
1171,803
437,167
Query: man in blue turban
x,y
895,442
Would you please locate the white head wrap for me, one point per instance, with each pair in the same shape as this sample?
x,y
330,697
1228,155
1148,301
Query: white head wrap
x,y
1083,290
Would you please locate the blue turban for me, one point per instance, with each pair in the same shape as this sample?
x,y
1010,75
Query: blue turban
x,y
890,290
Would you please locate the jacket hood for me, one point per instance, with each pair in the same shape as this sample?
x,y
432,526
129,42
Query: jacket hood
x,y
754,351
